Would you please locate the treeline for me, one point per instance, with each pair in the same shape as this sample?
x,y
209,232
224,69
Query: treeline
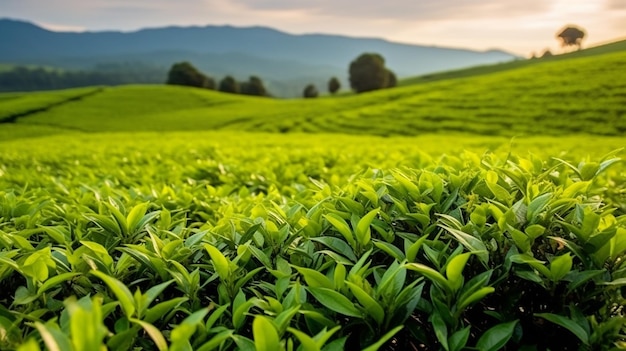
x,y
22,78
184,73
367,73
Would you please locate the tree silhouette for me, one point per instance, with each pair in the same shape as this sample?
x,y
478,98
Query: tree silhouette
x,y
392,80
184,73
310,91
571,36
229,85
333,85
254,86
368,72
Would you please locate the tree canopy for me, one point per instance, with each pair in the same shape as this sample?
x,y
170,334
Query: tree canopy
x,y
310,91
254,86
229,85
368,72
571,36
334,85
184,73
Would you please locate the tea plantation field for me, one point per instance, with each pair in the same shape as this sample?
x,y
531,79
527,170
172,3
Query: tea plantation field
x,y
220,240
482,213
580,95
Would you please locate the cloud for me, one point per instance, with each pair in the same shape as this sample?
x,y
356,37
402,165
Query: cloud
x,y
616,5
408,10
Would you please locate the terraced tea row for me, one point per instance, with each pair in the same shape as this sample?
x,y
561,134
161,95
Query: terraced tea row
x,y
583,96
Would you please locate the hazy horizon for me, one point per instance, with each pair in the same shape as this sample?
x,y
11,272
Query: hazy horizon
x,y
520,28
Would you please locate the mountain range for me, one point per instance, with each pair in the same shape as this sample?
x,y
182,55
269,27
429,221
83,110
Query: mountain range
x,y
285,61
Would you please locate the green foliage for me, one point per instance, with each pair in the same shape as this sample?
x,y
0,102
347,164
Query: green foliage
x,y
310,91
229,85
392,80
184,73
34,78
254,86
313,243
334,85
368,73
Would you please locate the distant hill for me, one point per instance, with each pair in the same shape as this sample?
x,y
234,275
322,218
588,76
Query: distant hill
x,y
281,58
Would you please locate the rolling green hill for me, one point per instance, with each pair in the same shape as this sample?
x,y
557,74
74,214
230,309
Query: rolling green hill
x,y
613,47
579,95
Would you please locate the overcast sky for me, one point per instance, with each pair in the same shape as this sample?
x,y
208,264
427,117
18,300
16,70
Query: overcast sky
x,y
520,26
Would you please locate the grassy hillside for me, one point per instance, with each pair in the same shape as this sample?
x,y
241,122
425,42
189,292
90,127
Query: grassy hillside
x,y
580,95
618,46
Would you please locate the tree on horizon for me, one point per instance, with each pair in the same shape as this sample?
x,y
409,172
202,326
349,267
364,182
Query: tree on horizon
x,y
310,91
334,85
571,36
368,73
184,73
254,86
229,85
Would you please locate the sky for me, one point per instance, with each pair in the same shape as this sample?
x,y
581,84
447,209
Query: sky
x,y
519,26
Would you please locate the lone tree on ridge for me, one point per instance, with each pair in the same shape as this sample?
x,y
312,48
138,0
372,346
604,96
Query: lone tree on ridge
x,y
571,36
368,72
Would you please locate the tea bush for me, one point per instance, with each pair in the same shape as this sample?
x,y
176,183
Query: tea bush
x,y
287,246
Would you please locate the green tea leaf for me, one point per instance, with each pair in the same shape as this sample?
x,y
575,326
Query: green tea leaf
x,y
363,230
30,345
337,245
378,344
567,324
390,249
470,242
373,308
560,266
306,342
431,274
265,335
454,270
153,332
220,262
342,227
53,338
55,281
441,329
496,337
314,278
335,301
135,215
533,262
413,249
458,340
121,292
216,341
616,282
479,294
